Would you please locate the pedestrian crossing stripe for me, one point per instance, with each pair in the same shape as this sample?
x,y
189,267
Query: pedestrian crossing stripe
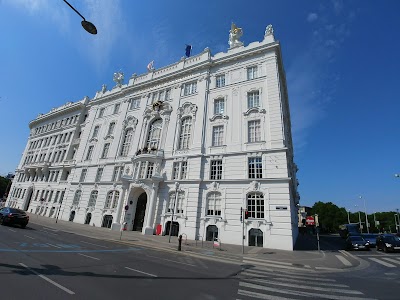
x,y
344,260
392,260
286,275
276,262
382,262
261,296
273,265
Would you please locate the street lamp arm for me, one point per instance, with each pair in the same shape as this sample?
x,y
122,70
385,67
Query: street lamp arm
x,y
75,10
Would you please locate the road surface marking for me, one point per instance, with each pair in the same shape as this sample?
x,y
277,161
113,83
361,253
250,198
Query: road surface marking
x,y
307,287
11,230
273,265
344,252
141,272
48,228
93,244
286,275
54,246
274,262
174,261
299,293
48,232
261,296
89,256
29,237
348,254
391,274
343,260
391,260
382,262
48,280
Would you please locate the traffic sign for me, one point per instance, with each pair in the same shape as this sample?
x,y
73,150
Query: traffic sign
x,y
310,221
126,207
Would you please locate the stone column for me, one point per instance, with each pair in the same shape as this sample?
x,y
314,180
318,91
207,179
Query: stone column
x,y
125,194
149,230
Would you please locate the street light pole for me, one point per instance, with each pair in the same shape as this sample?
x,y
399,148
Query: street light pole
x,y
375,222
348,215
359,218
88,26
366,216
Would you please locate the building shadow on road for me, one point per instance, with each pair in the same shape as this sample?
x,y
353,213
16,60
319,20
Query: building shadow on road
x,y
308,242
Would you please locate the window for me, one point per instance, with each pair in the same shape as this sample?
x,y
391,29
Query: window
x,y
219,106
167,94
126,142
186,128
77,197
154,136
190,88
220,81
255,167
254,131
89,153
178,206
216,170
111,128
95,132
255,205
253,99
179,170
214,204
175,174
142,169
218,135
56,197
116,108
135,103
115,199
108,200
93,199
251,73
83,175
101,112
150,167
183,170
117,174
105,150
99,174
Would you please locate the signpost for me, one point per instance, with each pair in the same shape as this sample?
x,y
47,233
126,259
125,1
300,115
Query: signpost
x,y
310,221
316,221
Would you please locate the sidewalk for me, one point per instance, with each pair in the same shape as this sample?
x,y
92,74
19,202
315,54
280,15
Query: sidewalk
x,y
303,258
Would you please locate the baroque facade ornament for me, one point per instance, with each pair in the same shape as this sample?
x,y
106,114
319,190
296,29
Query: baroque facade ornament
x,y
118,78
269,30
103,88
187,109
234,35
130,121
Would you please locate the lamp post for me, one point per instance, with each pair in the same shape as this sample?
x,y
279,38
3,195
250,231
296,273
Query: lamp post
x,y
88,26
348,215
173,210
366,216
375,222
398,227
359,218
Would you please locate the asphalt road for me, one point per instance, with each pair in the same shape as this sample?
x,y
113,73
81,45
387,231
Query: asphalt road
x,y
43,263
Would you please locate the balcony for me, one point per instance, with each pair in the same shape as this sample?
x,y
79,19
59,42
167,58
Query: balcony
x,y
150,152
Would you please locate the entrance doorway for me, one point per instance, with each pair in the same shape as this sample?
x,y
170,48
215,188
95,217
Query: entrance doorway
x,y
107,221
88,218
211,233
72,216
140,212
256,237
175,228
28,199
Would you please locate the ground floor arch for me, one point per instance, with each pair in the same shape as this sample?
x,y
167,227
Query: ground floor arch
x,y
211,233
71,216
107,221
140,212
175,228
88,218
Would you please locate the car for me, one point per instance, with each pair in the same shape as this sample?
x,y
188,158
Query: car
x,y
9,215
370,238
388,243
356,242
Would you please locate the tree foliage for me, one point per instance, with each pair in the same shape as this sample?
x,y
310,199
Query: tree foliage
x,y
4,181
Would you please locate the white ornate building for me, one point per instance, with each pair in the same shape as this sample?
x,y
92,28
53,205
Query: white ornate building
x,y
199,139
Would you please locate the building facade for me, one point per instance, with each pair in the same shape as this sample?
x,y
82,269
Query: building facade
x,y
192,143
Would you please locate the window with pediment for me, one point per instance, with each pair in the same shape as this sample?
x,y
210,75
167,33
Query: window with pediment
x,y
126,142
185,133
214,204
154,134
77,197
93,198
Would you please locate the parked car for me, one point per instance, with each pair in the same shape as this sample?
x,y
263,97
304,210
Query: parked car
x,y
370,238
356,242
9,215
388,242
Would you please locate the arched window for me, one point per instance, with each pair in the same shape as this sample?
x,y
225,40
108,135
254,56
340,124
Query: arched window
x,y
255,205
77,197
126,143
112,199
214,204
93,199
185,132
154,135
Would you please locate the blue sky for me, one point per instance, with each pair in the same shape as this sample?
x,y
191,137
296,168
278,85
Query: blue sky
x,y
341,60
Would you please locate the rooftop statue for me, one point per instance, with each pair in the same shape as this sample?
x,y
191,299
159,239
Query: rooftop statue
x,y
118,78
269,30
234,35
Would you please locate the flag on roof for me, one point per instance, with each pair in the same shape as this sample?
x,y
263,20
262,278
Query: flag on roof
x,y
188,50
150,66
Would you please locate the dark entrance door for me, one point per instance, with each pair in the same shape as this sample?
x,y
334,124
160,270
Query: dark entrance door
x,y
175,228
211,233
28,200
107,221
256,237
140,212
88,218
72,216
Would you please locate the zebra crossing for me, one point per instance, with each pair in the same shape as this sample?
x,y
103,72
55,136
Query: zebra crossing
x,y
386,261
260,280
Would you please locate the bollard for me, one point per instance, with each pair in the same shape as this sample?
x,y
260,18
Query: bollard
x,y
180,243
